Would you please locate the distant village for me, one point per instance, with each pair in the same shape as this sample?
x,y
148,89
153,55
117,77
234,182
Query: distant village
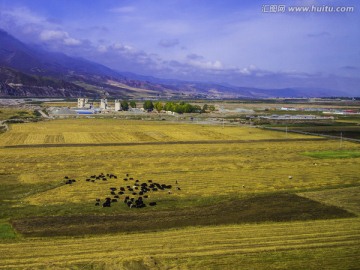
x,y
85,107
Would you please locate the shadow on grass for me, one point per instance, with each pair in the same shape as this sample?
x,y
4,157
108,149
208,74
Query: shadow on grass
x,y
264,208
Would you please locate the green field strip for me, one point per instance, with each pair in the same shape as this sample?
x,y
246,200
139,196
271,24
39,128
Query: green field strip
x,y
333,154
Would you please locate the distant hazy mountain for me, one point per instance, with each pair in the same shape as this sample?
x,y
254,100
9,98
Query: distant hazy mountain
x,y
84,77
16,83
30,71
17,55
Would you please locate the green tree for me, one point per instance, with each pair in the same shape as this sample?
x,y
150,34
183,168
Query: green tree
x,y
211,108
187,108
179,108
124,105
148,105
133,104
205,108
158,106
169,106
196,109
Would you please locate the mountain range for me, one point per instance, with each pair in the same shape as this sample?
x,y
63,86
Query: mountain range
x,y
30,71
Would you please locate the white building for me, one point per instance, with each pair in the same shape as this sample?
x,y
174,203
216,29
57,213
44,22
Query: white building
x,y
82,102
117,105
103,104
287,109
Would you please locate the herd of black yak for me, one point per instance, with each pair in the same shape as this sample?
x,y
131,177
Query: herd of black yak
x,y
134,193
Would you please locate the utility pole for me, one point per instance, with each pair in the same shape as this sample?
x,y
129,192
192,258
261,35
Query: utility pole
x,y
286,132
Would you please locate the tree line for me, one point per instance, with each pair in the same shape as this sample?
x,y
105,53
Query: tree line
x,y
125,105
178,107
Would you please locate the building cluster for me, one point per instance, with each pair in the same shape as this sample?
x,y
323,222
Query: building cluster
x,y
83,103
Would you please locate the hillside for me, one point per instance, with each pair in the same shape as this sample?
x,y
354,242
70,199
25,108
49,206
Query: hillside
x,y
16,83
29,70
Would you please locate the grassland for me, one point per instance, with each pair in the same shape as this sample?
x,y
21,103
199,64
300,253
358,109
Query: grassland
x,y
102,131
9,113
346,198
331,244
235,188
333,154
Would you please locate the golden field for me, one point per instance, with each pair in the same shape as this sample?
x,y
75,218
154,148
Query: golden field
x,y
314,245
81,131
213,165
201,169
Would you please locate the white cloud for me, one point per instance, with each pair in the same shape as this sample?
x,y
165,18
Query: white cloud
x,y
53,35
123,48
102,48
62,36
71,41
22,16
209,65
248,70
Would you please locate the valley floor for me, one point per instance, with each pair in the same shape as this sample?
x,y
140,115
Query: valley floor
x,y
248,198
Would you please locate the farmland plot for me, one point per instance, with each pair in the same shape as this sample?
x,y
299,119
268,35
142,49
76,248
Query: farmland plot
x,y
331,244
97,131
216,169
237,172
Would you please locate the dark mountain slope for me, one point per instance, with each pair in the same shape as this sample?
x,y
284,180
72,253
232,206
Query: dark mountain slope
x,y
31,71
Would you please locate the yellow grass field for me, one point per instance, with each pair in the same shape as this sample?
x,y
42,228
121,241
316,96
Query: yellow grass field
x,y
201,169
297,245
347,198
119,131
210,163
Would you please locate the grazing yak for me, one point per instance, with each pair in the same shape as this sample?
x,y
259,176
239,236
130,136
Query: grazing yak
x,y
137,188
70,181
107,204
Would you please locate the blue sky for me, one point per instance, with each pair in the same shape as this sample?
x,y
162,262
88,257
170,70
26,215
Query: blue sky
x,y
223,41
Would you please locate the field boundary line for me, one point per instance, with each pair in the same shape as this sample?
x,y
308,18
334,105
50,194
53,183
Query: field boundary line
x,y
159,143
